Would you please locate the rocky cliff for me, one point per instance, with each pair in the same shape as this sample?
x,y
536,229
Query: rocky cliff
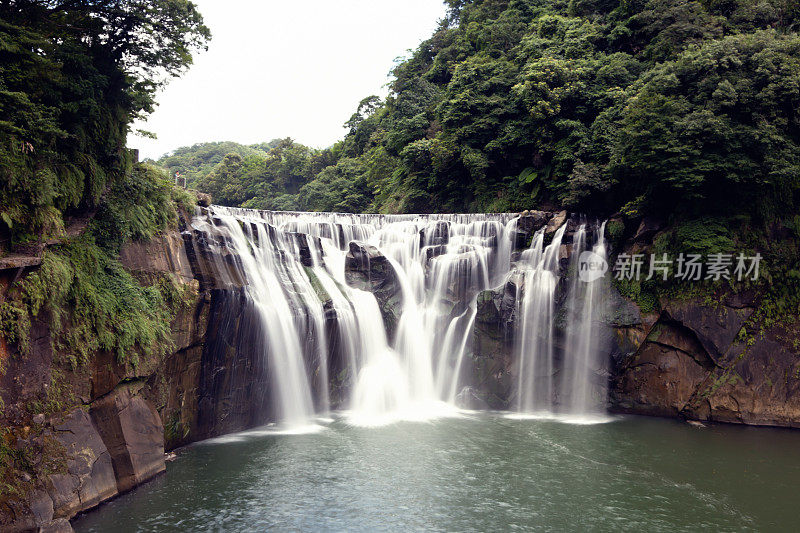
x,y
694,363
90,433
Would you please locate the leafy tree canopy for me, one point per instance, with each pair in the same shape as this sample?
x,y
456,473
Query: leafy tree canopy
x,y
645,106
74,75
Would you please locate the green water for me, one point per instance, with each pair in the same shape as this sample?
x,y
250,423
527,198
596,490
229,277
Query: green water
x,y
478,473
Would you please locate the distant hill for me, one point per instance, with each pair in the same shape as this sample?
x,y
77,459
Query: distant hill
x,y
198,160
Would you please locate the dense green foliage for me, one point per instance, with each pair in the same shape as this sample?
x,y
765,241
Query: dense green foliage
x,y
645,106
73,77
196,161
89,300
686,110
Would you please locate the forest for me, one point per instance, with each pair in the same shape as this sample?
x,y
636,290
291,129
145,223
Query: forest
x,y
74,77
641,107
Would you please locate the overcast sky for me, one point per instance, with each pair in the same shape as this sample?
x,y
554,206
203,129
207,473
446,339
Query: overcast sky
x,y
294,68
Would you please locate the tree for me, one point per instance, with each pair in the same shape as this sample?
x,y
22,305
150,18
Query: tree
x,y
75,75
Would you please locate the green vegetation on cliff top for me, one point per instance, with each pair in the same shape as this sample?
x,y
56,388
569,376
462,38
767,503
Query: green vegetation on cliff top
x,y
74,76
685,110
89,300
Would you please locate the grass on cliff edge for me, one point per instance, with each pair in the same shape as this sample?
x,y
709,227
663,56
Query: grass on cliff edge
x,y
91,301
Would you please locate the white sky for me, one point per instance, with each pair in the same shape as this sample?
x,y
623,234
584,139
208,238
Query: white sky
x,y
295,68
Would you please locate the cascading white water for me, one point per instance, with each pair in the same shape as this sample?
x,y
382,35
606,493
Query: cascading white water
x,y
553,380
269,280
292,266
534,344
583,393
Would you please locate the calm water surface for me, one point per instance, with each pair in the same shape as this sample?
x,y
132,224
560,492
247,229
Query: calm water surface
x,y
481,472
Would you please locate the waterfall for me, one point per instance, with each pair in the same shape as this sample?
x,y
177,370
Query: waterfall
x,y
583,393
534,344
269,283
560,378
374,314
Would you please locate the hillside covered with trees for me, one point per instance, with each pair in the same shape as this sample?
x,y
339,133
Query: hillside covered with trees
x,y
74,77
651,106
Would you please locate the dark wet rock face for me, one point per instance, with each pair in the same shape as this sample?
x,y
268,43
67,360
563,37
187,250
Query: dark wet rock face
x,y
692,364
529,222
688,361
433,251
232,392
490,367
369,270
302,248
435,234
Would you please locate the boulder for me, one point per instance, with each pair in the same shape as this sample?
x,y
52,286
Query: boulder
x,y
89,476
558,220
368,269
647,229
531,221
203,199
133,434
662,380
468,398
